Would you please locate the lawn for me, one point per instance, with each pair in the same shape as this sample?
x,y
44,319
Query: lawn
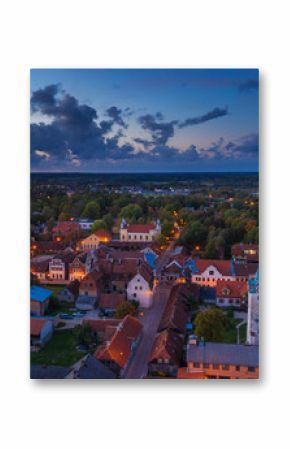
x,y
60,350
230,334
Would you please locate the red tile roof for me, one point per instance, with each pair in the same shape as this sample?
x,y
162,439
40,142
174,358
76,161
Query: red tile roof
x,y
223,266
140,228
167,345
245,269
36,324
175,315
119,348
231,289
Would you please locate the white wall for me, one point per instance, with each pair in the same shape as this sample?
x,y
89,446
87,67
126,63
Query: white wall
x,y
139,289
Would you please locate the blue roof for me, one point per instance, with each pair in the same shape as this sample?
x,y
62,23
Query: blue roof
x,y
254,283
39,294
191,264
150,259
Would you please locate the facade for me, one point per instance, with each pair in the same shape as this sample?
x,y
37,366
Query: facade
x,y
207,360
57,269
139,232
231,293
77,269
85,225
253,311
39,300
206,272
93,241
140,288
39,270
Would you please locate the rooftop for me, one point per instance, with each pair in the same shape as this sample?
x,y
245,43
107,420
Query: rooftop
x,y
223,353
39,294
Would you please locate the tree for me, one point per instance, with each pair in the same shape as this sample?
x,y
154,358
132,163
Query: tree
x,y
131,212
86,335
92,210
193,234
98,224
210,324
126,308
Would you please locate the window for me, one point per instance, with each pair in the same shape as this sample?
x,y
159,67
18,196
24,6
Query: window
x,y
206,365
129,236
215,366
141,237
135,237
237,367
138,280
196,365
136,288
211,272
225,367
146,237
134,294
221,301
230,301
141,288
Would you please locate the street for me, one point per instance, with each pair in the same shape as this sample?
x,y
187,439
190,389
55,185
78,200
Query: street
x,y
137,368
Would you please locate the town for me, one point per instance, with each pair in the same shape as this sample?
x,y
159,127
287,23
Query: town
x,y
144,276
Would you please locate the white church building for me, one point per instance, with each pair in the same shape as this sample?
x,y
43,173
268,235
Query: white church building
x,y
139,232
253,311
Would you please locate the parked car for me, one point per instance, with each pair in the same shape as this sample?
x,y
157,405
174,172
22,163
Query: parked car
x,y
65,316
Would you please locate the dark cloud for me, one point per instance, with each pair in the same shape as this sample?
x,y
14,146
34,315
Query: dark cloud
x,y
74,133
249,85
116,115
242,148
211,115
160,131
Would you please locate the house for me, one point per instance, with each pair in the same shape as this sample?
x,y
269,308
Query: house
x,y
117,352
77,268
206,272
231,293
207,360
91,284
176,314
171,272
39,300
245,252
140,287
70,292
41,331
93,241
48,372
245,271
91,368
139,232
166,354
39,269
66,231
110,301
57,269
253,311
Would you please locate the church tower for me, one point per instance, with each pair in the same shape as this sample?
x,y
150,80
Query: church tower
x,y
253,311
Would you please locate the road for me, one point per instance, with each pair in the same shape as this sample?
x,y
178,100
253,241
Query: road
x,y
137,368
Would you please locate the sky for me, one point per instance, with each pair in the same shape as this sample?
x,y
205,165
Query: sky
x,y
144,120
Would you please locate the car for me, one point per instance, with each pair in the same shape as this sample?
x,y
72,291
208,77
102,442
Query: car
x,y
65,316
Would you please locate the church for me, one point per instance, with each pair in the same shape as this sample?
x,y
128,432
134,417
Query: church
x,y
139,232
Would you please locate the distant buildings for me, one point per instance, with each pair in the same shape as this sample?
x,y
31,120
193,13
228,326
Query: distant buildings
x,y
139,232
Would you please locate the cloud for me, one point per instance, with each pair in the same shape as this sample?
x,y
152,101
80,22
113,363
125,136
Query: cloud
x,y
116,115
249,85
160,131
242,148
73,127
211,115
42,154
